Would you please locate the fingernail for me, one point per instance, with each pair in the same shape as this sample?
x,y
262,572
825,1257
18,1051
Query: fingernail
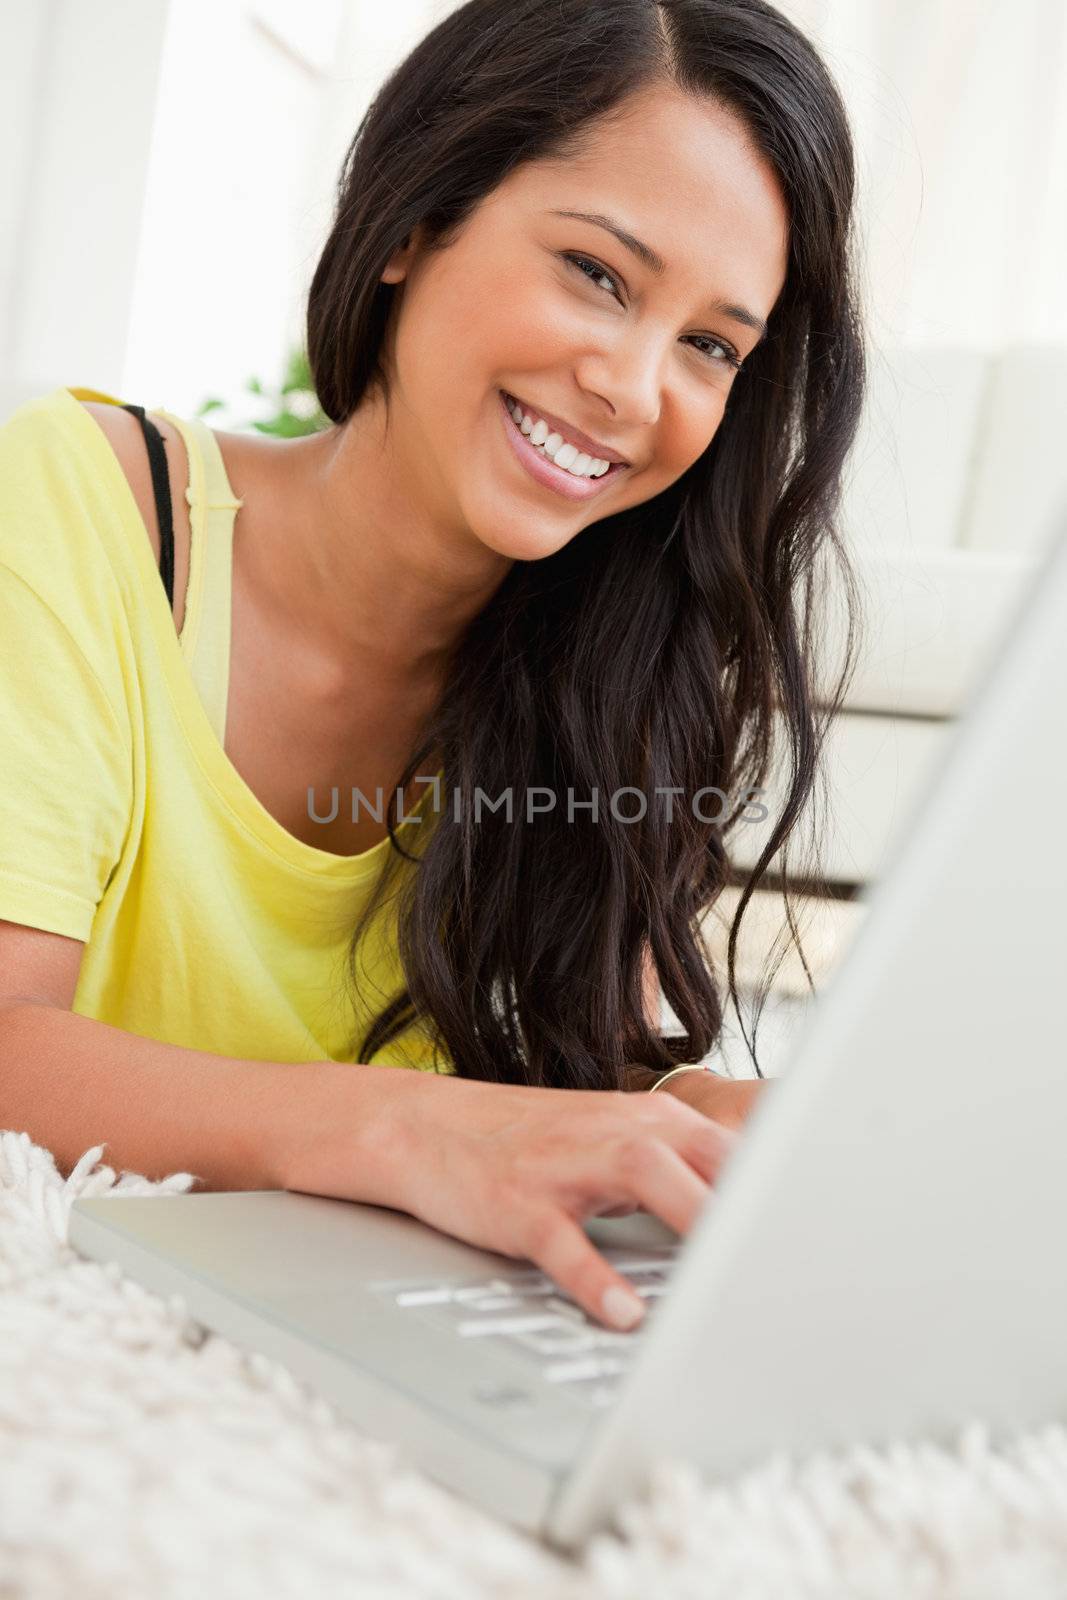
x,y
622,1310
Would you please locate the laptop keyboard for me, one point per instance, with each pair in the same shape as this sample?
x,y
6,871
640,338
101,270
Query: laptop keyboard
x,y
528,1314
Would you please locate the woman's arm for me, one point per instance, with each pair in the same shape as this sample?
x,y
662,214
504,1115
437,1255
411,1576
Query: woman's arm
x,y
503,1167
71,1082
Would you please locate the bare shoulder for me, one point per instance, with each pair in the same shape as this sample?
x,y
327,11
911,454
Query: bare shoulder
x,y
124,434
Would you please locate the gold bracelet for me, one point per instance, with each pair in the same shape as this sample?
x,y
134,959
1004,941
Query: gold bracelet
x,y
667,1076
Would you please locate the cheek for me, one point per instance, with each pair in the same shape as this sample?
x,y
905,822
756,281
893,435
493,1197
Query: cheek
x,y
691,434
522,329
477,331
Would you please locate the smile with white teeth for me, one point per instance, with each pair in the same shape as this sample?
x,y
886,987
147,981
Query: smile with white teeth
x,y
555,447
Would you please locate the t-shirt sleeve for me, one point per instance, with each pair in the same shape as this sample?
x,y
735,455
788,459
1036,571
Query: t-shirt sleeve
x,y
66,784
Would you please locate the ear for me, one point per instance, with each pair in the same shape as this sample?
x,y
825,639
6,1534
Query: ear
x,y
399,263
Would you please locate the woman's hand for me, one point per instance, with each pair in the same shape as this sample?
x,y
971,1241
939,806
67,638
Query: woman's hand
x,y
725,1100
516,1169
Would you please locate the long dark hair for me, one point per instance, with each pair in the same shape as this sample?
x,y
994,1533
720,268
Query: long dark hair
x,y
661,644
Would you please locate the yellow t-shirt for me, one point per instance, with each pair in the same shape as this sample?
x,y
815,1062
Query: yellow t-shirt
x,y
123,823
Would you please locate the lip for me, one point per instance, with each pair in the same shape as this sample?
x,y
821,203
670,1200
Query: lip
x,y
544,471
591,446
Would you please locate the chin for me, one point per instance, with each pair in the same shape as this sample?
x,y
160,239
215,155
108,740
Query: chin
x,y
516,532
517,548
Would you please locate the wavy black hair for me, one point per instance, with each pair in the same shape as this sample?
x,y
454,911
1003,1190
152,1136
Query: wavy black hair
x,y
663,645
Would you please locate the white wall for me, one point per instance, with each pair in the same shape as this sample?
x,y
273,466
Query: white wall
x,y
221,257
78,86
157,242
24,36
960,114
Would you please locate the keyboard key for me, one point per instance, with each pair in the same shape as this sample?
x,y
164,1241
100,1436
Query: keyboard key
x,y
481,1327
585,1367
435,1296
481,1291
557,1341
454,1313
495,1302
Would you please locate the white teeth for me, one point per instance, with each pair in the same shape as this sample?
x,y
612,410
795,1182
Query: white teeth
x,y
578,463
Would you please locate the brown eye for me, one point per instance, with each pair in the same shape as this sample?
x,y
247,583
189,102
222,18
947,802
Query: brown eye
x,y
728,350
581,262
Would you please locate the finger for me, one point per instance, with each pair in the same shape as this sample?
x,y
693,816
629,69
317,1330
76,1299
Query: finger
x,y
706,1145
664,1183
661,1182
563,1250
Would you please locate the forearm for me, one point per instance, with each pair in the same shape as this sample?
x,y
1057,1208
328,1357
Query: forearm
x,y
71,1082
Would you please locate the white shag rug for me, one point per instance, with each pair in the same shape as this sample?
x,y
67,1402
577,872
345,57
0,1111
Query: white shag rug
x,y
140,1457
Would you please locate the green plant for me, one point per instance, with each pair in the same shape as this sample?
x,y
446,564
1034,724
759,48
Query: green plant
x,y
292,406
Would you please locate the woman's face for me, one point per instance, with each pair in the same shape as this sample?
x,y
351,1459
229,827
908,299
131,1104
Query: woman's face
x,y
625,357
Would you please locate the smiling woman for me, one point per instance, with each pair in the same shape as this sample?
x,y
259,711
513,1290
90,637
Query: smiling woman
x,y
567,306
585,331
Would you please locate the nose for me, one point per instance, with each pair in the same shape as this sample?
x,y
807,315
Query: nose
x,y
628,379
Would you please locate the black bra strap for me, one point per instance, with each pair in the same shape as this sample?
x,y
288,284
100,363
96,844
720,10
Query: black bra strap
x,y
157,461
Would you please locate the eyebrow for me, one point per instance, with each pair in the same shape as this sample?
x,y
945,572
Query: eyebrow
x,y
655,263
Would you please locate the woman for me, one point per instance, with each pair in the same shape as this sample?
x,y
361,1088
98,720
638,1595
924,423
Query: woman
x,y
586,331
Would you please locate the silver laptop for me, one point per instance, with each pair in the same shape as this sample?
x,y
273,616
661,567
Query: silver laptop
x,y
877,1260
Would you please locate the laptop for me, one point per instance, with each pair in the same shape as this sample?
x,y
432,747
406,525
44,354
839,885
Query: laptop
x,y
877,1260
